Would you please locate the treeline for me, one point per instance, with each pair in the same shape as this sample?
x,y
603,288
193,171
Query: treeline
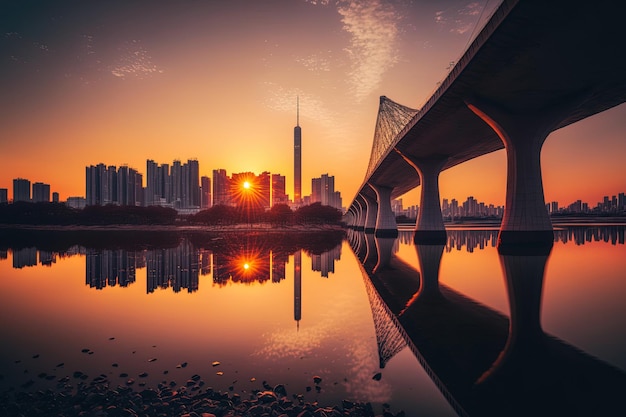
x,y
59,214
279,214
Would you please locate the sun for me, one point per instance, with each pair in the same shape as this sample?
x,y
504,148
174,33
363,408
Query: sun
x,y
246,185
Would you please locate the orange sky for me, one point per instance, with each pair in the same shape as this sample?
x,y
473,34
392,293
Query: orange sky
x,y
120,84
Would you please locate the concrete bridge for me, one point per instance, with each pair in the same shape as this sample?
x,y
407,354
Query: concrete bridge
x,y
535,67
483,362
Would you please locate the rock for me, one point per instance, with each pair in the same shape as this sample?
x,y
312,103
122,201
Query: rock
x,y
215,363
267,397
143,375
280,390
377,376
317,379
151,359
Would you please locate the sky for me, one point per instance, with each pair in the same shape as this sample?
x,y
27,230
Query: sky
x,y
120,82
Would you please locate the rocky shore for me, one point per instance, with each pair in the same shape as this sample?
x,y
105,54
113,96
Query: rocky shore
x,y
99,398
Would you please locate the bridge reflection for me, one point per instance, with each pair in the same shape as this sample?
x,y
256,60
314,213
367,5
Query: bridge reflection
x,y
484,363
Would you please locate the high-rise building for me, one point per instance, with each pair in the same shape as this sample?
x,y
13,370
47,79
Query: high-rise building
x,y
41,192
21,189
109,185
205,191
55,197
178,187
264,184
221,187
279,195
192,183
316,190
4,195
297,158
323,191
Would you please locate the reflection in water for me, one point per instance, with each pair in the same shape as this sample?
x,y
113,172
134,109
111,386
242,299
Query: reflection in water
x,y
110,267
240,259
472,239
483,362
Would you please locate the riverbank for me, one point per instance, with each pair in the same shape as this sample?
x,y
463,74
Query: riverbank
x,y
99,398
261,227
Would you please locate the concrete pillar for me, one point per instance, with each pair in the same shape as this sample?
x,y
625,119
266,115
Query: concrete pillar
x,y
372,213
429,228
385,220
361,212
526,220
353,216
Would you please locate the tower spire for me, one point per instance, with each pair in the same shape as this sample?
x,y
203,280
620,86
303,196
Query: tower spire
x,y
297,110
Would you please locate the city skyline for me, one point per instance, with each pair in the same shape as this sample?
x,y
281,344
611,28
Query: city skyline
x,y
81,82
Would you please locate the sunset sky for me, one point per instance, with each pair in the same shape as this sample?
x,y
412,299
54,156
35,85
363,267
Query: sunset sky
x,y
120,82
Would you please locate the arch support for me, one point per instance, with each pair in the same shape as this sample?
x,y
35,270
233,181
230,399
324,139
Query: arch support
x,y
429,228
372,213
526,220
386,225
361,209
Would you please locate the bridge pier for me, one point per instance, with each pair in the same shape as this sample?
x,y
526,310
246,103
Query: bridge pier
x,y
526,221
372,212
386,225
361,212
429,228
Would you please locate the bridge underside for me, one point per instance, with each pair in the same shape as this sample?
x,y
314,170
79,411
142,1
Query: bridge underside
x,y
537,64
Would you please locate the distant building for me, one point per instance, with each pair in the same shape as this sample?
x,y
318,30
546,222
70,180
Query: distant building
x,y
21,190
297,158
55,197
41,192
109,185
279,194
76,202
4,195
205,192
323,191
221,188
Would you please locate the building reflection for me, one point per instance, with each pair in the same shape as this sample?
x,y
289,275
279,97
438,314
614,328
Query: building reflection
x,y
325,262
110,268
239,260
471,239
176,268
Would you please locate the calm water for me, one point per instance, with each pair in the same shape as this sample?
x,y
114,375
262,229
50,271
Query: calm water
x,y
431,330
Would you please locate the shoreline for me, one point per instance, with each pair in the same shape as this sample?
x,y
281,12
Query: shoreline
x,y
267,228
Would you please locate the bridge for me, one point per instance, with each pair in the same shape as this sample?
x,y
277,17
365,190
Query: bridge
x,y
483,362
535,67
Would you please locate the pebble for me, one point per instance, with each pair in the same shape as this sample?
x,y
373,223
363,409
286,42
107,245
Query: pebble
x,y
131,399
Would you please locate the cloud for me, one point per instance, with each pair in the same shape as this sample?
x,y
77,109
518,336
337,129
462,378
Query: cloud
x,y
311,106
134,62
373,29
460,21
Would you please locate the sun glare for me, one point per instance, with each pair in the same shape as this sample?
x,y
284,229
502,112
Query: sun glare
x,y
246,185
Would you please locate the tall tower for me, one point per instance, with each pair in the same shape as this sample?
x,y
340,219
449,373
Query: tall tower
x,y
297,157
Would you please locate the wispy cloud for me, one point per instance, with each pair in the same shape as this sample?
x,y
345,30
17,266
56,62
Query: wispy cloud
x,y
459,21
373,29
135,62
311,106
